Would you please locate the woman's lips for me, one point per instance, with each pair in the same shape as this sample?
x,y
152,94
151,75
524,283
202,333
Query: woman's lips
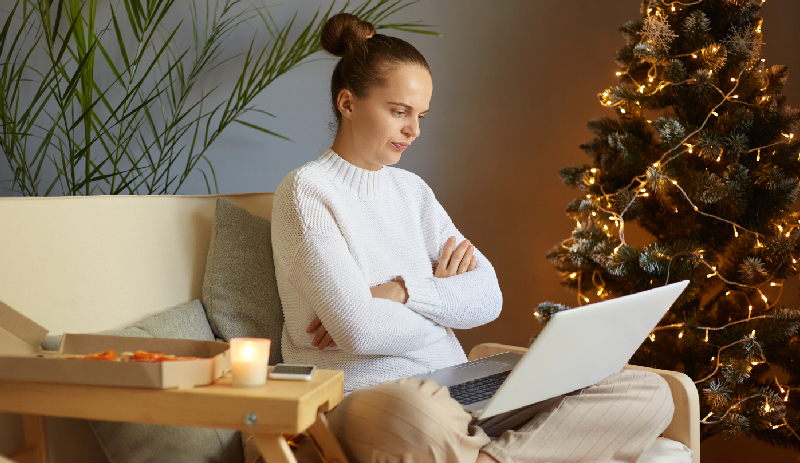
x,y
400,146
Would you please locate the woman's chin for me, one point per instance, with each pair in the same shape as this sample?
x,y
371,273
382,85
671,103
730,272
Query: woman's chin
x,y
392,158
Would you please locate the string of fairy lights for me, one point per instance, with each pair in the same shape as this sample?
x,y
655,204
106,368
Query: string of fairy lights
x,y
639,185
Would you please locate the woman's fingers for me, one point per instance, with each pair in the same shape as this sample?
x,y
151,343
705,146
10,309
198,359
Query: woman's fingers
x,y
322,339
320,334
325,341
474,264
467,260
457,257
444,260
316,323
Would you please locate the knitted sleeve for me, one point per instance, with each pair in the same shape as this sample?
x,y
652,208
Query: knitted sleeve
x,y
460,301
331,283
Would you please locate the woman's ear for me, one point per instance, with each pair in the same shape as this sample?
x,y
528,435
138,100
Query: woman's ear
x,y
344,101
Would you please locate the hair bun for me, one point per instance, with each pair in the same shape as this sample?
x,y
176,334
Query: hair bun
x,y
343,30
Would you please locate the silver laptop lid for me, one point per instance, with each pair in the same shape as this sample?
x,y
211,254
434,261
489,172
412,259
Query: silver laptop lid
x,y
582,346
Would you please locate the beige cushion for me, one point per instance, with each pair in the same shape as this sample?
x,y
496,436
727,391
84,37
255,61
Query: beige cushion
x,y
240,292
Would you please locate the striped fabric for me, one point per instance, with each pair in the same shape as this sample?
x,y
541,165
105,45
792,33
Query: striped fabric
x,y
414,420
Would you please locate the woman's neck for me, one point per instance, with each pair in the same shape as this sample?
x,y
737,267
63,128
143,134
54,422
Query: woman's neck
x,y
346,147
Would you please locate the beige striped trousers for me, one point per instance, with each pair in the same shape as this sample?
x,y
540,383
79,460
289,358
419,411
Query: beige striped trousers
x,y
412,420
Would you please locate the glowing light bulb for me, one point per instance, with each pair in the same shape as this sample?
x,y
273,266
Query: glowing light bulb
x,y
573,275
766,408
706,339
694,55
622,110
733,79
680,335
652,336
593,170
715,113
753,334
619,73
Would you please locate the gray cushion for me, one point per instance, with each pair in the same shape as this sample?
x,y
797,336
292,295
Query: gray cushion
x,y
240,292
134,442
185,321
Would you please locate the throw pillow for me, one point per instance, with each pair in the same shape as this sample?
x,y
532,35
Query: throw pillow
x,y
135,442
240,292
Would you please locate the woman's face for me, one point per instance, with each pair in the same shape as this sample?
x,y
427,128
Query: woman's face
x,y
387,120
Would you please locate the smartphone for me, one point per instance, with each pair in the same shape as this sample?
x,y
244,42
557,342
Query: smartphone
x,y
292,372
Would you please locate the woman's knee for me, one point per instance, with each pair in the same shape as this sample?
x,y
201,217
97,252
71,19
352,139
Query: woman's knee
x,y
650,393
409,417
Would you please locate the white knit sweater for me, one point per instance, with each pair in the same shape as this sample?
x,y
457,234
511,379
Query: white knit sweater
x,y
338,230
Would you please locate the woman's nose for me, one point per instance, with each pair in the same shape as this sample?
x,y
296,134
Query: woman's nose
x,y
412,128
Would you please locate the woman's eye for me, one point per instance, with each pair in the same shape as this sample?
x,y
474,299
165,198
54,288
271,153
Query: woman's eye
x,y
398,113
421,116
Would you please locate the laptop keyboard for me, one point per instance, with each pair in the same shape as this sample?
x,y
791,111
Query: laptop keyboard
x,y
477,389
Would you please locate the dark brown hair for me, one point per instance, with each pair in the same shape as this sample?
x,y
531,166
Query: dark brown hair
x,y
366,56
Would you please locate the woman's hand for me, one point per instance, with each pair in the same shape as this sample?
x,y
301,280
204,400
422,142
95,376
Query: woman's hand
x,y
455,260
393,290
323,339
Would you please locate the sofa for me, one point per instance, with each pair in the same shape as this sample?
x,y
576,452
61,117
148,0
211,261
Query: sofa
x,y
98,263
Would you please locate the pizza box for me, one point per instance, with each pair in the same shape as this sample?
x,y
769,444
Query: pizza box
x,y
22,359
19,335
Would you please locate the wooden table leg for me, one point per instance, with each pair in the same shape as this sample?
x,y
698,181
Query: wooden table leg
x,y
274,448
35,450
328,446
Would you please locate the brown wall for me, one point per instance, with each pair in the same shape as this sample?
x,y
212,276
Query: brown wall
x,y
528,75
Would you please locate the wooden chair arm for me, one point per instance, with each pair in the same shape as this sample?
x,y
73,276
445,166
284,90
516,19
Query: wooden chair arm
x,y
685,425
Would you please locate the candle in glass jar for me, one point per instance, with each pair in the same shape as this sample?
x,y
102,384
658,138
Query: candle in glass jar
x,y
249,359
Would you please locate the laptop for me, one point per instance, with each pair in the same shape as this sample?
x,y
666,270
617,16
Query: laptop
x,y
577,348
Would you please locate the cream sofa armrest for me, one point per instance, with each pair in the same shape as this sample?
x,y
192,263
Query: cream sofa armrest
x,y
685,425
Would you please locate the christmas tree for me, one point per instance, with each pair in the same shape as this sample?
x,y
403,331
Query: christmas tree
x,y
701,156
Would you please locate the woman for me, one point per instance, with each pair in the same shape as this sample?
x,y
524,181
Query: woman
x,y
373,277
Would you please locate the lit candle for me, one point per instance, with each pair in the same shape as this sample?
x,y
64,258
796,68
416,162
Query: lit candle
x,y
249,359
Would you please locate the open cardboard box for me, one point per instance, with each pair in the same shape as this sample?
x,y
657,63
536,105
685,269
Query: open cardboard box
x,y
22,359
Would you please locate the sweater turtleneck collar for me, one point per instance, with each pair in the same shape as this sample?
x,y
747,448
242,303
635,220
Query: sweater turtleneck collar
x,y
361,181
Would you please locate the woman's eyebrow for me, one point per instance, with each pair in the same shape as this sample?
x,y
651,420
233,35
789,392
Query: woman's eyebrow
x,y
408,107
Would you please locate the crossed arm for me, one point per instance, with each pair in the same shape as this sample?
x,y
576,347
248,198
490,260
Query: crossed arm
x,y
454,260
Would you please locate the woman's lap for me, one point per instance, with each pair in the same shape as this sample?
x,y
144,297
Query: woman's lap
x,y
414,420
